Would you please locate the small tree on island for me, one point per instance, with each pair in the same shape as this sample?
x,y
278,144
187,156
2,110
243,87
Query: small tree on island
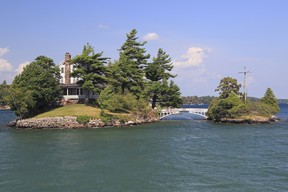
x,y
270,99
227,86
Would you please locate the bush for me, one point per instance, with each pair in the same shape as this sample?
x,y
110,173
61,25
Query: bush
x,y
262,109
121,102
230,107
83,119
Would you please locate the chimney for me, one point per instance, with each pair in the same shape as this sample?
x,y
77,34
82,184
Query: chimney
x,y
67,68
67,57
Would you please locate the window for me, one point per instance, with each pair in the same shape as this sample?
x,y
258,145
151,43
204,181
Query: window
x,y
62,70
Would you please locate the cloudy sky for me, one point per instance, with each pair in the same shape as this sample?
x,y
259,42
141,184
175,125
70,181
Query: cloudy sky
x,y
207,40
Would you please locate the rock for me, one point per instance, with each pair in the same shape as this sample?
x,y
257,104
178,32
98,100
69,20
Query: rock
x,y
129,123
69,122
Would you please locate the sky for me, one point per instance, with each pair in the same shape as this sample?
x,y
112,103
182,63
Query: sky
x,y
207,40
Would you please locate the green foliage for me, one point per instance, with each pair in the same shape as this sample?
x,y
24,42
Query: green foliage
x,y
229,104
270,99
4,92
226,86
197,100
156,73
160,67
127,73
83,119
170,95
36,89
117,102
21,102
262,109
230,107
91,69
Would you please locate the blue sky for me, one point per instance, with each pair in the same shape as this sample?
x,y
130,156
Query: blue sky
x,y
207,40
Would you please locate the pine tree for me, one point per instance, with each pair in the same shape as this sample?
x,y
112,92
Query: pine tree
x,y
170,94
128,71
270,99
91,70
156,71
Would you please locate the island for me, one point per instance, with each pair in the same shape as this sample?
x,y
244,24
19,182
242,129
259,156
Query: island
x,y
232,106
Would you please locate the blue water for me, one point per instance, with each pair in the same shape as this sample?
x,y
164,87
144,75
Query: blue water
x,y
169,156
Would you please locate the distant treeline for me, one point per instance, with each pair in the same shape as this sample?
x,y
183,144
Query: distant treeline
x,y
207,99
197,100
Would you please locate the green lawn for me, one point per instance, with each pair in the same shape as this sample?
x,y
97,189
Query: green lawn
x,y
72,110
79,110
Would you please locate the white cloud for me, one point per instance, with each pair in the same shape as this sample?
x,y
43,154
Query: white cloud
x,y
103,26
5,66
3,51
151,37
21,67
194,57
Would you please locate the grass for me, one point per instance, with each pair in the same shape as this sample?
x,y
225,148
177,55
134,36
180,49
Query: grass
x,y
72,110
77,110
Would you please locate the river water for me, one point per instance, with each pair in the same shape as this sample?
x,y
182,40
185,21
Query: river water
x,y
169,156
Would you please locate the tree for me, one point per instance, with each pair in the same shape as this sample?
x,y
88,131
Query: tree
x,y
156,71
229,104
4,91
230,107
170,95
36,89
128,73
270,99
228,85
91,70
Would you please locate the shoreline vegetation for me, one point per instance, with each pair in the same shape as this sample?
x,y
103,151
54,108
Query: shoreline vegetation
x,y
129,90
81,116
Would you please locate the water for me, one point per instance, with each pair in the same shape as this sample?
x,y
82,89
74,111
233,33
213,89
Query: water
x,y
169,156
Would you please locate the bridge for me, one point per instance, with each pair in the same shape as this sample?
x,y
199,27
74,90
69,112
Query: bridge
x,y
171,111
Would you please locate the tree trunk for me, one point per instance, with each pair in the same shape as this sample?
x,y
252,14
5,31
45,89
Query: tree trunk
x,y
86,101
154,98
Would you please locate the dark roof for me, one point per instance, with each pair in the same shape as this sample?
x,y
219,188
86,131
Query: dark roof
x,y
74,85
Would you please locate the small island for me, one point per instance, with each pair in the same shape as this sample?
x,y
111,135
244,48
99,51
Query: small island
x,y
232,106
90,90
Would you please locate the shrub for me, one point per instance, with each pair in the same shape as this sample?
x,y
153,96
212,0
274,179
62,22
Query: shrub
x,y
83,119
116,102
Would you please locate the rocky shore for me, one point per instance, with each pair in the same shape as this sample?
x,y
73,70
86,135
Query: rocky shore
x,y
251,120
70,122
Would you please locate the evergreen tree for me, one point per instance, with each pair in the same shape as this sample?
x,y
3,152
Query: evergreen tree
x,y
91,70
270,99
156,71
128,73
170,94
36,89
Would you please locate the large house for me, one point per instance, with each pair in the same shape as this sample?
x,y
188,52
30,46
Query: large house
x,y
72,92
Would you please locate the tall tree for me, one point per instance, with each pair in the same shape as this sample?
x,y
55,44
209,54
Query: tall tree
x,y
128,71
228,85
156,71
38,86
170,94
270,99
91,70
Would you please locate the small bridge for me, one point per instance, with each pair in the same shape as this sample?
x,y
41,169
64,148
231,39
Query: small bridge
x,y
171,111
